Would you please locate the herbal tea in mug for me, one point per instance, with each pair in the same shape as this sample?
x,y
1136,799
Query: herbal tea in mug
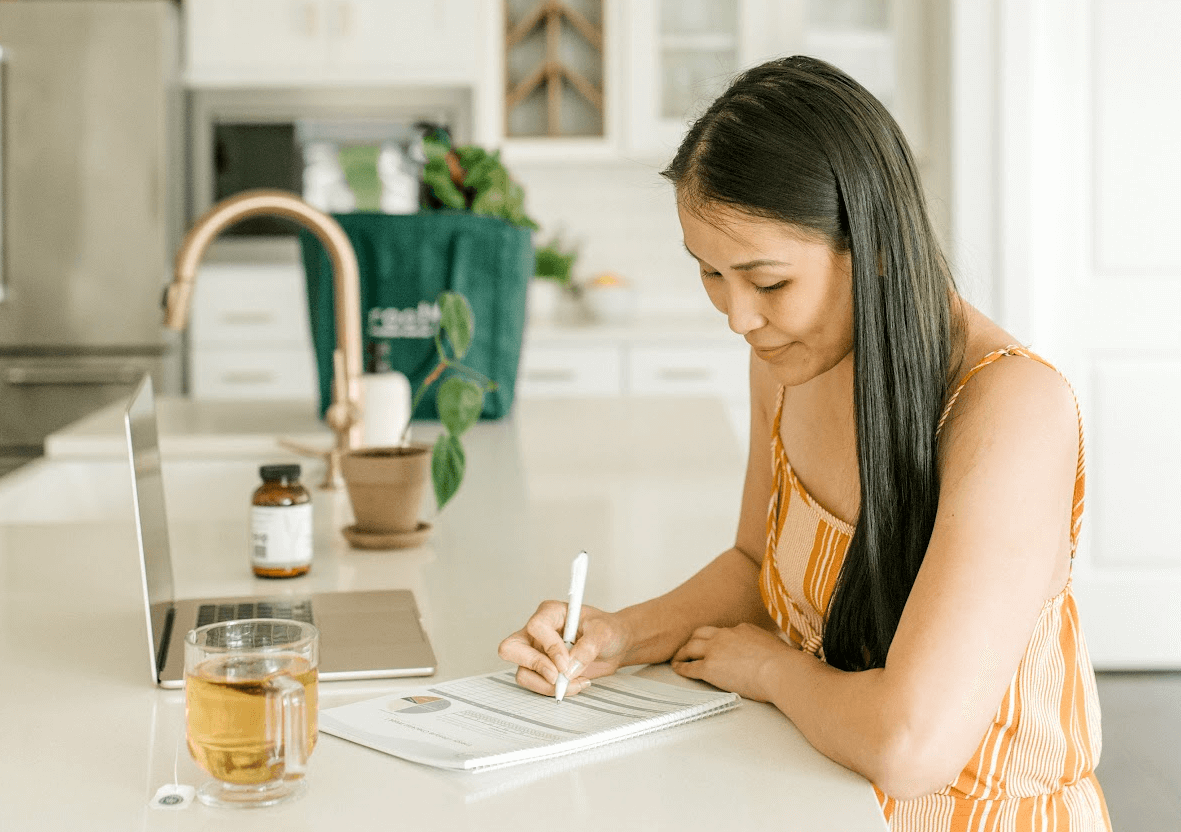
x,y
250,708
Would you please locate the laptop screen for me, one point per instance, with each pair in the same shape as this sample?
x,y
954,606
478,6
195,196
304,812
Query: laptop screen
x,y
151,523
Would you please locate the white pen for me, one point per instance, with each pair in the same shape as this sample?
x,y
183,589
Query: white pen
x,y
573,612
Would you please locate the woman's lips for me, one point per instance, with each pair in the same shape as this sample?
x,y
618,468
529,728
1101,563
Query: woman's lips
x,y
771,354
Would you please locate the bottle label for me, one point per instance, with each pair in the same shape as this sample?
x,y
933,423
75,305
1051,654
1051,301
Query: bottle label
x,y
281,535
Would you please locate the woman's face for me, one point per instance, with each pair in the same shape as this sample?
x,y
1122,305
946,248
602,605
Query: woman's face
x,y
785,291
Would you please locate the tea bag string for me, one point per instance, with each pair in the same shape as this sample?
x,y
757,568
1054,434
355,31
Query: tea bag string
x,y
174,796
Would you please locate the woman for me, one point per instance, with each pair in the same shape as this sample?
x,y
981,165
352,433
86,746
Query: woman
x,y
905,599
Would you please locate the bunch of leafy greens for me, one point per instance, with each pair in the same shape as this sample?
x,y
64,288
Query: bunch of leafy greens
x,y
460,396
471,179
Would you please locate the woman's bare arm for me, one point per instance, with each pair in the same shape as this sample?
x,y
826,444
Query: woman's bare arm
x,y
726,592
723,593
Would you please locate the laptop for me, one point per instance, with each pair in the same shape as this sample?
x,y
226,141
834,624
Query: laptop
x,y
363,635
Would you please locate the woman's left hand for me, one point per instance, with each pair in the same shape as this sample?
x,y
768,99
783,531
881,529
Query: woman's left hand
x,y
732,658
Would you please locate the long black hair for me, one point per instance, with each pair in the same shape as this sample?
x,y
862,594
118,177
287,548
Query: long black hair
x,y
798,141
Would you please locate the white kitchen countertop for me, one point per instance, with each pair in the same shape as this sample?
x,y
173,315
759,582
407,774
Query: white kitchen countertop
x,y
650,487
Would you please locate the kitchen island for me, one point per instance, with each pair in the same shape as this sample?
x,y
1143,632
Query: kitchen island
x,y
650,487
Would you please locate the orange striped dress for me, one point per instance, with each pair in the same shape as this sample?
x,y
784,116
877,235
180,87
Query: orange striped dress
x,y
1034,768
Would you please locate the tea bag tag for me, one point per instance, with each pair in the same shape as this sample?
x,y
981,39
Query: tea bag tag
x,y
173,796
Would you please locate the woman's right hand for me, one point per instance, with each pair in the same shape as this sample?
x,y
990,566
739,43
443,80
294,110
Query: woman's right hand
x,y
540,654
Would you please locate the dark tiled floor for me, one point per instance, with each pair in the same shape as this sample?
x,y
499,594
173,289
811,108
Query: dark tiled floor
x,y
1140,768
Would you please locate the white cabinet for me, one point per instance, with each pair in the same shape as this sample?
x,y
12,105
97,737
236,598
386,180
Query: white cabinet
x,y
622,362
333,41
689,369
644,358
249,336
430,41
224,38
563,370
663,60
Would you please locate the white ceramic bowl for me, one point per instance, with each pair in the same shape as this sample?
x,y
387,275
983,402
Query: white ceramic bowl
x,y
611,304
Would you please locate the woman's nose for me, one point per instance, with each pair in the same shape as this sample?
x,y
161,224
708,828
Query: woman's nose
x,y
743,311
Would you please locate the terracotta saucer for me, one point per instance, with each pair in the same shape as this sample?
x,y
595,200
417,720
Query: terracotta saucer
x,y
361,539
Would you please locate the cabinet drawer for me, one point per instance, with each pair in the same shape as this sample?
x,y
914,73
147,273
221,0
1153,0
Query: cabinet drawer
x,y
571,371
258,374
248,303
688,371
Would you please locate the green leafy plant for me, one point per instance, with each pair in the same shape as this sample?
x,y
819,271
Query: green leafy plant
x,y
459,398
555,262
470,178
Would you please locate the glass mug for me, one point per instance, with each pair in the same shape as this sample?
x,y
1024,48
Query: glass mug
x,y
250,708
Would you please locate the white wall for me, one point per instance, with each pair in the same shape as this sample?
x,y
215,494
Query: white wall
x,y
622,215
1067,112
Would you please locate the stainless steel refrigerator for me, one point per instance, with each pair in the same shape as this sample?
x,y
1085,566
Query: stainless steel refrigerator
x,y
91,202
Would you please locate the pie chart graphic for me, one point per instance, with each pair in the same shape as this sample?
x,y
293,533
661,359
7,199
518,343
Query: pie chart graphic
x,y
417,704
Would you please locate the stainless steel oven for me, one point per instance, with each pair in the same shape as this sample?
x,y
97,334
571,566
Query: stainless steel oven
x,y
245,138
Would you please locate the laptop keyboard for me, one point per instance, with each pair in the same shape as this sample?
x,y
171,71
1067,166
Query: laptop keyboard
x,y
294,611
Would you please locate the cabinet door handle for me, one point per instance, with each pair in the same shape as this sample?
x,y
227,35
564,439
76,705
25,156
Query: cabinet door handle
x,y
247,318
550,375
683,374
310,19
344,20
248,377
71,376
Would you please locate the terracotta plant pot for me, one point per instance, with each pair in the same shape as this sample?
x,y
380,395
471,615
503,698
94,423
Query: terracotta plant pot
x,y
385,487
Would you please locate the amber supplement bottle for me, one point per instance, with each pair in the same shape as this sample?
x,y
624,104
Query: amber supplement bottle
x,y
281,524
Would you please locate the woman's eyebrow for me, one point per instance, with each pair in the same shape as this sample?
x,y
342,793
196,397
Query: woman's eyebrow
x,y
750,265
743,267
758,264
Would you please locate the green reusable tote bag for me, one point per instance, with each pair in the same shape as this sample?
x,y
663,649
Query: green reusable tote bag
x,y
405,261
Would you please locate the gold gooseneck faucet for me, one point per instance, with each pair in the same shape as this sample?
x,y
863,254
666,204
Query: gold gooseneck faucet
x,y
345,413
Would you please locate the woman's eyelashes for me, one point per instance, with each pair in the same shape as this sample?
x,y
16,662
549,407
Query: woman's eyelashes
x,y
762,290
766,290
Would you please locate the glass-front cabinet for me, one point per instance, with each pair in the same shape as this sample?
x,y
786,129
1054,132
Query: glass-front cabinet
x,y
697,48
881,44
682,53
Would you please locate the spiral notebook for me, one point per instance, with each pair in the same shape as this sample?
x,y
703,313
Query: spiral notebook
x,y
488,721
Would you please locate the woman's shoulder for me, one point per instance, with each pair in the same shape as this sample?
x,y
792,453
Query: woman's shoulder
x,y
999,387
984,343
